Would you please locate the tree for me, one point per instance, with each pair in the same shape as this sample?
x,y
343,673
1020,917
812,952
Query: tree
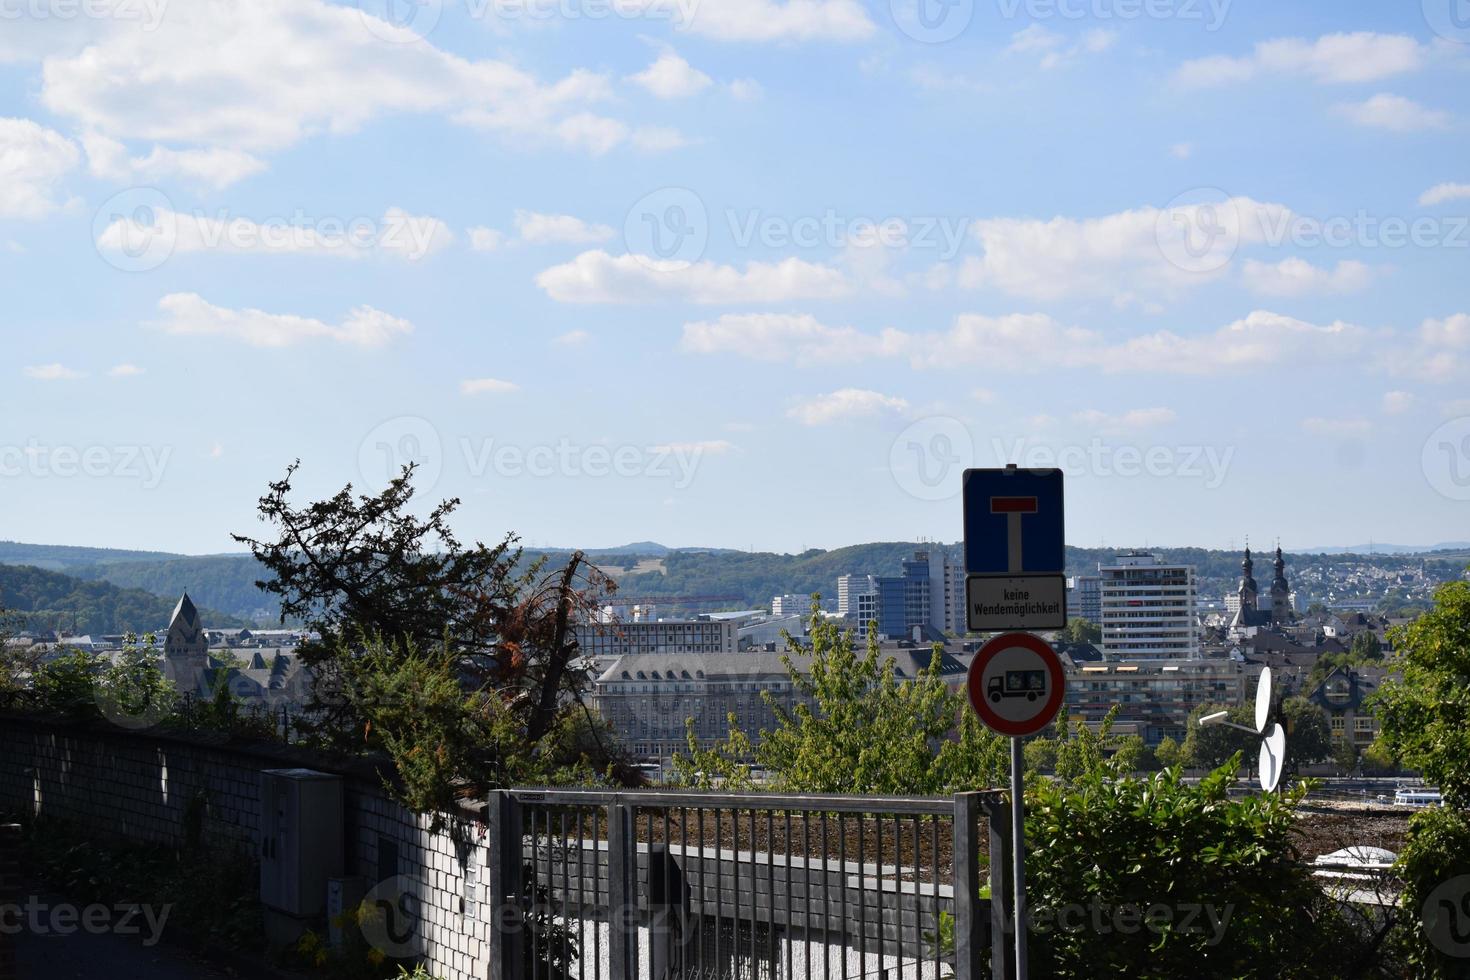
x,y
1377,759
1209,747
856,728
1367,648
378,582
1168,753
1080,630
1345,755
1309,735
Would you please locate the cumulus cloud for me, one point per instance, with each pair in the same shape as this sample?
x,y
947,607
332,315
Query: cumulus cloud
x,y
190,314
1054,50
398,234
1117,254
1444,193
262,75
33,161
487,386
770,20
1439,351
216,167
125,371
1394,113
597,277
845,403
671,77
783,337
1133,420
53,372
559,229
1397,402
1363,56
1298,277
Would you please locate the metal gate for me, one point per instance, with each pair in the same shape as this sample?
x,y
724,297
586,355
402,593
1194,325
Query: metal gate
x,y
669,885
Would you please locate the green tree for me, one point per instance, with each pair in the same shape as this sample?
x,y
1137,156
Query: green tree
x,y
1367,648
1309,735
856,728
1168,753
1377,758
1080,630
1210,747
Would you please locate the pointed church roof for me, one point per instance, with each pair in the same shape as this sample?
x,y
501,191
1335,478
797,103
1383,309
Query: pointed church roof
x,y
185,613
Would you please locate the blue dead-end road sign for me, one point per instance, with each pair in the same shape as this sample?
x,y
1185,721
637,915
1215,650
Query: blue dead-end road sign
x,y
1013,522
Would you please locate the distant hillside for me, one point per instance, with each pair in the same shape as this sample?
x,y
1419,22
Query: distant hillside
x,y
53,601
59,558
224,582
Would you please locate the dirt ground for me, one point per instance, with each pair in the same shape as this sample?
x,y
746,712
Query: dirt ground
x,y
1327,827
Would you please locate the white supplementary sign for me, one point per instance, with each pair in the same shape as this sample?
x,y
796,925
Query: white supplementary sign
x,y
1022,602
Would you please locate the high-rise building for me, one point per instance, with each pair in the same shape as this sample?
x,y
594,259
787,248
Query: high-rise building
x,y
791,605
1148,609
928,595
1084,597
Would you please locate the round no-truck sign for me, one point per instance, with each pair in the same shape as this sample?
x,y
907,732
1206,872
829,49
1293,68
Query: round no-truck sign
x,y
1016,684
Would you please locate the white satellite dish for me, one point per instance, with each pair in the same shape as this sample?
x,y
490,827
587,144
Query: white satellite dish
x,y
1272,758
1263,700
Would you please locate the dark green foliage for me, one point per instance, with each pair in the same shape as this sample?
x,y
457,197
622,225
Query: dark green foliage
x,y
1435,869
53,601
1155,878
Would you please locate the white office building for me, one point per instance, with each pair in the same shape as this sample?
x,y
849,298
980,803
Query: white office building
x,y
1148,609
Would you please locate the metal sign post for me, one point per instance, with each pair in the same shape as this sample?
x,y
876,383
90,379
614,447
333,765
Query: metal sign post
x,y
1014,560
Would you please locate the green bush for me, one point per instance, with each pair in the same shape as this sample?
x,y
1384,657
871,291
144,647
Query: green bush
x,y
1435,868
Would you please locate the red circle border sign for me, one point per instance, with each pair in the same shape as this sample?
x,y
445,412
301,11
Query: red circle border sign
x,y
1049,708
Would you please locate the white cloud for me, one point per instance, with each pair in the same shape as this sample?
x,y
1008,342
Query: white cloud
x,y
1034,342
215,168
189,314
845,403
1053,48
1297,277
1440,350
1337,428
486,239
53,372
1397,402
781,337
1182,151
1114,255
671,77
1133,420
1333,58
1443,193
597,277
573,338
745,90
769,20
125,371
559,229
1394,113
398,234
33,160
487,386
255,76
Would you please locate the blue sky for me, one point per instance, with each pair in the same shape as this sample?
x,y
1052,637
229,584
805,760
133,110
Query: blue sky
x,y
744,273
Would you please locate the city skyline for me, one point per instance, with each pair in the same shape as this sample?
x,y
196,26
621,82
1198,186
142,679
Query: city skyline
x,y
738,273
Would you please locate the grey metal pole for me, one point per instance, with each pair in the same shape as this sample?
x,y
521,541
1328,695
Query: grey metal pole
x,y
1018,855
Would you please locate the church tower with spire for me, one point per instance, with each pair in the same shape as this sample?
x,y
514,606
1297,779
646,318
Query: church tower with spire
x,y
185,648
1281,611
1249,593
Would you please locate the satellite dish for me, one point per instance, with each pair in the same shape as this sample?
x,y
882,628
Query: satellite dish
x,y
1263,700
1272,757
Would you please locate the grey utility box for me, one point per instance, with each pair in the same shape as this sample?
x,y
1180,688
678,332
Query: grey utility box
x,y
300,839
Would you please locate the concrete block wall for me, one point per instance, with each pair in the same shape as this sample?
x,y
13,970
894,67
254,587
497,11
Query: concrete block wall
x,y
139,786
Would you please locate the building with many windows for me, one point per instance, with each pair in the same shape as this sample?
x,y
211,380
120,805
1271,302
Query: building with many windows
x,y
1084,597
927,598
700,635
1154,699
1147,609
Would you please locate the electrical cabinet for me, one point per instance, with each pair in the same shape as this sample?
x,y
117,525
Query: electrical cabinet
x,y
300,839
